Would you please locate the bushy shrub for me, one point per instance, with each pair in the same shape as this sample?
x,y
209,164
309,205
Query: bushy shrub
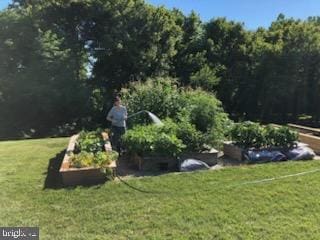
x,y
140,139
202,109
152,140
197,111
187,132
167,145
248,134
159,96
253,135
280,137
205,112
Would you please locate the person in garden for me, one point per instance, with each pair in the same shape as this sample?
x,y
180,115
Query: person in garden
x,y
117,116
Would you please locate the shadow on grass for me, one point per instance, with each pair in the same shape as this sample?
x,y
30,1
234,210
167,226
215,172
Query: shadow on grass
x,y
54,179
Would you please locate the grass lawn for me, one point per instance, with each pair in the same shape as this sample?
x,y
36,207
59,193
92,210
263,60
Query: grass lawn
x,y
201,205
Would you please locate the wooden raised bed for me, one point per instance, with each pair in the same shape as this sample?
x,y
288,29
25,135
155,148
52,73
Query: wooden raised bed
x,y
88,175
312,141
304,129
233,151
154,163
210,157
159,163
309,136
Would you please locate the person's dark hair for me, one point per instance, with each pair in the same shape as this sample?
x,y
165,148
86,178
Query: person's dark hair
x,y
117,99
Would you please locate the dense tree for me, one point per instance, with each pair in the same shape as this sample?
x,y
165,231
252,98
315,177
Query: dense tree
x,y
39,83
287,73
191,53
62,61
123,40
138,41
227,50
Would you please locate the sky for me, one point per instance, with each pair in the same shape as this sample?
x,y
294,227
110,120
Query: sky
x,y
253,13
4,3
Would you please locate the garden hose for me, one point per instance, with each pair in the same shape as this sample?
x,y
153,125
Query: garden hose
x,y
133,187
277,178
231,185
134,114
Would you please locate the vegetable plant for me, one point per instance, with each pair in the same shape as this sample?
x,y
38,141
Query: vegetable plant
x,y
152,140
88,159
90,141
196,111
90,152
280,137
193,139
82,159
254,135
248,134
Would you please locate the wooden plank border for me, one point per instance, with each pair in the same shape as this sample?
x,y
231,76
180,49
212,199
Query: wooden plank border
x,y
87,175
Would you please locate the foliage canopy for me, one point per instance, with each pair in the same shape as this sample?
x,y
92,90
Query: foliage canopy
x,y
63,61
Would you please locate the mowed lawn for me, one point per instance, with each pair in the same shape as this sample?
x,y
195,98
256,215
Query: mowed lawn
x,y
200,205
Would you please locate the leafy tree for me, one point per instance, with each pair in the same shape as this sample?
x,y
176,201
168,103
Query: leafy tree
x,y
227,50
38,84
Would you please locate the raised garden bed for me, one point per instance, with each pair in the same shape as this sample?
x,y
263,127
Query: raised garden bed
x,y
86,175
312,141
254,143
209,157
308,135
233,151
169,163
304,129
154,163
272,154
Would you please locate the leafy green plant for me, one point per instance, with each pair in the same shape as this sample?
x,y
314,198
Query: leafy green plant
x,y
90,141
82,159
204,110
88,159
152,140
250,134
281,136
167,145
102,159
89,152
159,95
196,111
206,78
140,139
193,139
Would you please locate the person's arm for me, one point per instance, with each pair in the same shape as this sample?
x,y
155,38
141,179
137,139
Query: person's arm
x,y
110,115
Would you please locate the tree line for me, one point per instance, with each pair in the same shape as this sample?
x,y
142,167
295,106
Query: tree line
x,y
61,62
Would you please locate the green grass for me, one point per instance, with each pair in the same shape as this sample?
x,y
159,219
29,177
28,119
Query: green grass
x,y
200,205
